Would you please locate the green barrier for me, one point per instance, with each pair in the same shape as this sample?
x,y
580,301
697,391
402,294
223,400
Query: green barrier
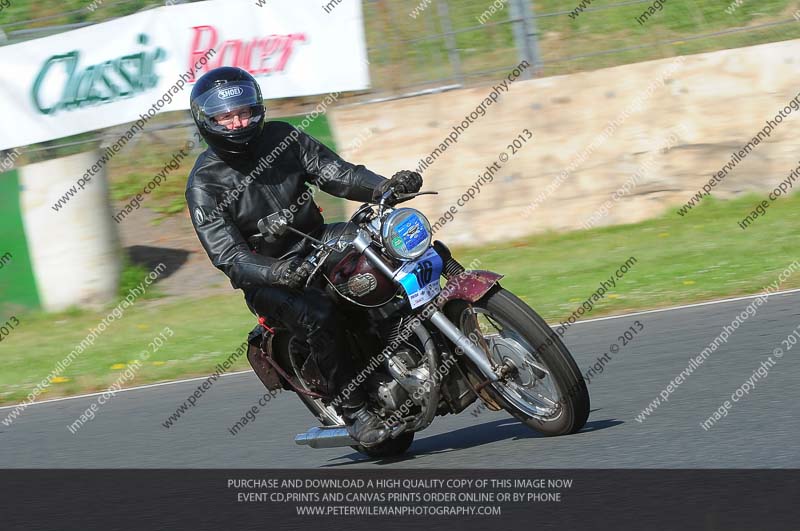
x,y
17,283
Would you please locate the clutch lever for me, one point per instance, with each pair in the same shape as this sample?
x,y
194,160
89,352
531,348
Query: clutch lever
x,y
317,261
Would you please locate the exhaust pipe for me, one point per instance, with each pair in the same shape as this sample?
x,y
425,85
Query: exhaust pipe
x,y
325,437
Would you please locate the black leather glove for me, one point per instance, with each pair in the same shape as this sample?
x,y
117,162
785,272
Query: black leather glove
x,y
406,182
402,182
292,273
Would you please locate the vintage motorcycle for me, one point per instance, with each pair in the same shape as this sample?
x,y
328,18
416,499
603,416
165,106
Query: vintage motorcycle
x,y
422,349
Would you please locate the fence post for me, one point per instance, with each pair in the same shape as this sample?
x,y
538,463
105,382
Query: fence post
x,y
450,41
526,34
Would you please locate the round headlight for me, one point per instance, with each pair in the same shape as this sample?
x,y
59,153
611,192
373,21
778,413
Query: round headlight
x,y
406,234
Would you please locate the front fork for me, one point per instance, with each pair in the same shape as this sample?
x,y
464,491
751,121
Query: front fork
x,y
467,285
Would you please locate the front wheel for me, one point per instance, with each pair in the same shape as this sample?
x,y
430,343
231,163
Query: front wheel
x,y
543,386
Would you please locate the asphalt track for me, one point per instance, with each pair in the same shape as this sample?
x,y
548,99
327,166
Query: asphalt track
x,y
760,431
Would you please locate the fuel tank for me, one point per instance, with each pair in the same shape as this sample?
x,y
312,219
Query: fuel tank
x,y
355,277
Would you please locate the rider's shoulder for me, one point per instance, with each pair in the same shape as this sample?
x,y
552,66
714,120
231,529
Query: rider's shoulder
x,y
207,172
275,128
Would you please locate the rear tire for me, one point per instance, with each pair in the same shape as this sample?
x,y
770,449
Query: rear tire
x,y
569,412
328,416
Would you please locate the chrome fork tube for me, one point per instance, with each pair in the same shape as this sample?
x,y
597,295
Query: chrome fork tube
x,y
439,320
473,351
361,243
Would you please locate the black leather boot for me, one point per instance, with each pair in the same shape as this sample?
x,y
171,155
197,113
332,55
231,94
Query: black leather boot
x,y
364,426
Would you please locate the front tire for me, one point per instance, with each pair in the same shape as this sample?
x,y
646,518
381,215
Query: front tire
x,y
546,390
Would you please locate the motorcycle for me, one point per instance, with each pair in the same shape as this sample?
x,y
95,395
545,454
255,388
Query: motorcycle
x,y
441,347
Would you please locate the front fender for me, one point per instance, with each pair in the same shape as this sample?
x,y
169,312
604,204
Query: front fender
x,y
469,286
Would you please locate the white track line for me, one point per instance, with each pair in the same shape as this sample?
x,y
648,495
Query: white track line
x,y
173,382
125,390
709,303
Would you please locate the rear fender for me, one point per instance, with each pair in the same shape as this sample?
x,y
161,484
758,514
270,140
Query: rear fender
x,y
265,372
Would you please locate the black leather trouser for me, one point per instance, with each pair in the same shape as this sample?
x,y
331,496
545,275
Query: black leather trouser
x,y
311,317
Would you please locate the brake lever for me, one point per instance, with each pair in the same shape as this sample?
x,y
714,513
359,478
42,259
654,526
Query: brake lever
x,y
401,198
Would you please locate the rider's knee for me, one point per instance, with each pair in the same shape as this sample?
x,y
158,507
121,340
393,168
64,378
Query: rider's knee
x,y
320,313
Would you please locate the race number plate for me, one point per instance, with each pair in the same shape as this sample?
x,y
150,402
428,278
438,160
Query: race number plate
x,y
420,278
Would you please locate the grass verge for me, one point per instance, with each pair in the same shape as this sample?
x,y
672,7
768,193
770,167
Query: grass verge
x,y
680,260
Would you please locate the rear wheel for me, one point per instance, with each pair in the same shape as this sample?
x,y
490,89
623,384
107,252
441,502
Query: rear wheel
x,y
328,416
543,387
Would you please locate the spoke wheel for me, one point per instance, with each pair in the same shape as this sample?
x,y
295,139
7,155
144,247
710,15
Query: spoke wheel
x,y
542,385
328,416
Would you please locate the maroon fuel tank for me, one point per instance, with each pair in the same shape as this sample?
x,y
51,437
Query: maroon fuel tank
x,y
355,277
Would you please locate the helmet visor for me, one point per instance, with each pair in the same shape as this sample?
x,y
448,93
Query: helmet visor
x,y
214,104
228,97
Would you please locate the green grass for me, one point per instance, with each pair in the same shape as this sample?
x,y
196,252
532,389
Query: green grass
x,y
702,256
484,47
135,167
132,275
206,332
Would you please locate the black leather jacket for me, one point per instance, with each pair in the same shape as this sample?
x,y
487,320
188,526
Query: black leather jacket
x,y
226,198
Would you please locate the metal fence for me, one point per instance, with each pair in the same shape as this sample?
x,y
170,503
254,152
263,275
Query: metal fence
x,y
438,44
418,46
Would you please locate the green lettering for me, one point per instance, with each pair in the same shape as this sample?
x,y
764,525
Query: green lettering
x,y
149,77
71,62
86,94
98,83
113,90
124,75
135,61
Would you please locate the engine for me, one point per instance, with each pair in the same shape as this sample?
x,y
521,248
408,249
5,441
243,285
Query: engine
x,y
403,380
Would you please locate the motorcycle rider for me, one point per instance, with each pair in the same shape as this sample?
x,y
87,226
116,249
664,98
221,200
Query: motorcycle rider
x,y
254,168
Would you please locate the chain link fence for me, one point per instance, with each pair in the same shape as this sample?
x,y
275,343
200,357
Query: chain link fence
x,y
439,44
419,46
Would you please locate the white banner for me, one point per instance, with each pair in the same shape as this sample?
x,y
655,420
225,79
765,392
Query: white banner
x,y
119,71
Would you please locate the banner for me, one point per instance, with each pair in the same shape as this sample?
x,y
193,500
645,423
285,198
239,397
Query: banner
x,y
112,73
386,498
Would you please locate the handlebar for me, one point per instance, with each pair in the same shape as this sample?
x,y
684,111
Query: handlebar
x,y
360,216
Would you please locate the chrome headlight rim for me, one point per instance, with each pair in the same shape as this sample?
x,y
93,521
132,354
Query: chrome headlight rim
x,y
391,221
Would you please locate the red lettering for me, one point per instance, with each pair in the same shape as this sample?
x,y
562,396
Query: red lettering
x,y
235,47
241,54
197,51
288,49
246,58
269,46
